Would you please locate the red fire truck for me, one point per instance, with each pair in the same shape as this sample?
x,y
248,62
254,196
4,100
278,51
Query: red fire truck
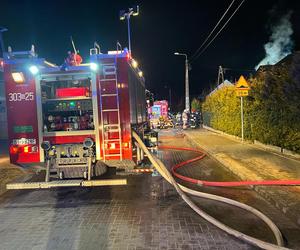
x,y
159,115
73,118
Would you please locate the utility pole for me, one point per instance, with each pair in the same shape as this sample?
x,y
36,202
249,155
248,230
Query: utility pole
x,y
187,87
220,75
187,92
2,29
170,95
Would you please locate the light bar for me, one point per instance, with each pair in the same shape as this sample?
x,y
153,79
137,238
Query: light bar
x,y
34,69
140,73
1,64
115,52
18,77
94,66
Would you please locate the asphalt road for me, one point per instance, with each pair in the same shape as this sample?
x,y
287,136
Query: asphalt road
x,y
145,214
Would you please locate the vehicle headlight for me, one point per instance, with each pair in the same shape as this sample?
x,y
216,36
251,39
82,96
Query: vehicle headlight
x,y
88,142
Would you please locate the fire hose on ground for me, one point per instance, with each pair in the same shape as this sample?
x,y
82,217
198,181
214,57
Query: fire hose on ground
x,y
221,183
160,167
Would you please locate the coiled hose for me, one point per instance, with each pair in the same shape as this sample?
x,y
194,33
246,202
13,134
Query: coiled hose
x,y
160,167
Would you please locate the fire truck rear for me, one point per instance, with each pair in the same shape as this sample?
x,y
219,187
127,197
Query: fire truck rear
x,y
77,119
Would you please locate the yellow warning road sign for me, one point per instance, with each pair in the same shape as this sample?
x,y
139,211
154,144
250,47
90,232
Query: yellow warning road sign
x,y
242,87
242,83
241,92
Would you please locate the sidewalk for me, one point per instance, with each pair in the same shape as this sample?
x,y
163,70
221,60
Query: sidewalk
x,y
251,162
8,172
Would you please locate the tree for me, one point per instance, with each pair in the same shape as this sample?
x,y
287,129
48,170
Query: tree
x,y
196,105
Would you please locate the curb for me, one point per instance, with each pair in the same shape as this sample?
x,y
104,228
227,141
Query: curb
x,y
270,148
262,191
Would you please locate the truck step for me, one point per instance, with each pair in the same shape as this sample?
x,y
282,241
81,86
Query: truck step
x,y
67,183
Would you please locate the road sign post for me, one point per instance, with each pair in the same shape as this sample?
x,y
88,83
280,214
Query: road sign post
x,y
242,89
242,118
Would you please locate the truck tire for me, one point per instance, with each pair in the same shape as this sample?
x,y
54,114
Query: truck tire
x,y
100,168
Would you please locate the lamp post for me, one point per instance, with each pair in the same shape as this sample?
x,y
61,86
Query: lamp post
x,y
170,95
126,14
187,94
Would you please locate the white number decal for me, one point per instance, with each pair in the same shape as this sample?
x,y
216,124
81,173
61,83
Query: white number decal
x,y
29,96
18,97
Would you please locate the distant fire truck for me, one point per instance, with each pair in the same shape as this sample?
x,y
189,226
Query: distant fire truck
x,y
74,118
158,114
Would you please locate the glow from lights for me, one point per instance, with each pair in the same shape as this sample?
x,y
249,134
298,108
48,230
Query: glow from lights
x,y
94,66
18,77
134,63
140,73
34,69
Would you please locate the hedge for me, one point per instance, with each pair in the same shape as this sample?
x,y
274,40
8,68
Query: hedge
x,y
271,111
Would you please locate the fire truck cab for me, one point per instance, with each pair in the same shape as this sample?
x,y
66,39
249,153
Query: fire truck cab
x,y
76,119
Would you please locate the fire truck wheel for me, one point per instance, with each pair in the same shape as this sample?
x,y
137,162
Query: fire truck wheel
x,y
100,168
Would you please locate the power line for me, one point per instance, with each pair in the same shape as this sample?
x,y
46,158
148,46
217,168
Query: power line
x,y
237,69
212,30
219,31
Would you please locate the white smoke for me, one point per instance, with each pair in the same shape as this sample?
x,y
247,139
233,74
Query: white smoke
x,y
280,43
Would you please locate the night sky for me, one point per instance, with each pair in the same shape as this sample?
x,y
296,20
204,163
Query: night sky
x,y
162,28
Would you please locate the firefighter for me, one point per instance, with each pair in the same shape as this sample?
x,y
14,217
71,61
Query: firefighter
x,y
73,59
77,58
185,119
178,119
161,122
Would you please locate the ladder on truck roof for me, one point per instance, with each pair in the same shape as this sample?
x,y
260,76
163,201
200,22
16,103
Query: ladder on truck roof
x,y
110,114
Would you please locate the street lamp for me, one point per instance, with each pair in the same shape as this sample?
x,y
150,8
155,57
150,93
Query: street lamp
x,y
187,94
126,14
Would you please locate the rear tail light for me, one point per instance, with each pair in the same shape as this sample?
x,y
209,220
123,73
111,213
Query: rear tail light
x,y
14,149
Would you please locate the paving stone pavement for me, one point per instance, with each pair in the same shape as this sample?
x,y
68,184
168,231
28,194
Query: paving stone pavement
x,y
210,169
146,214
250,162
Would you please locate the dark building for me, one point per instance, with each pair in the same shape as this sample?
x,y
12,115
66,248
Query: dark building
x,y
286,64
